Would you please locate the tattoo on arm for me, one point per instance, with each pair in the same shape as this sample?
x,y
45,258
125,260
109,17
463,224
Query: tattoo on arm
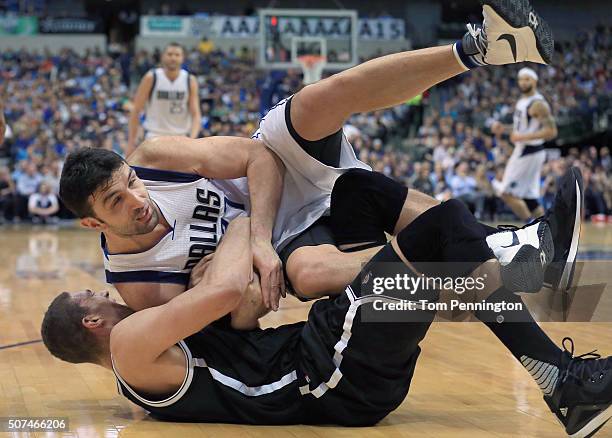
x,y
548,121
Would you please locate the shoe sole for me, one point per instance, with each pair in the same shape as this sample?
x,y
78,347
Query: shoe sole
x,y
562,271
547,245
593,426
517,13
567,276
525,272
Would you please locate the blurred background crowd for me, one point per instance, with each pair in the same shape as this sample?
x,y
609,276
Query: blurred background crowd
x,y
439,143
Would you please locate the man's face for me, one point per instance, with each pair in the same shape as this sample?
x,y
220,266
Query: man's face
x,y
123,207
101,307
526,84
172,58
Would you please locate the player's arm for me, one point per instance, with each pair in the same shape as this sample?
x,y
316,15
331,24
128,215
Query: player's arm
x,y
540,111
139,296
140,99
246,315
194,107
225,158
145,335
2,123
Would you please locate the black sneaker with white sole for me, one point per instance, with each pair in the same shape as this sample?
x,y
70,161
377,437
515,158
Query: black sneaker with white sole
x,y
512,31
582,398
523,254
565,220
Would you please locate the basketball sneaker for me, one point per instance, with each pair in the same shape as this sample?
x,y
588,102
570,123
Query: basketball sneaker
x,y
543,252
511,32
565,220
523,254
582,398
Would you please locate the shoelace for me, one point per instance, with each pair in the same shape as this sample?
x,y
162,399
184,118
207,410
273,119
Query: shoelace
x,y
480,36
583,367
510,227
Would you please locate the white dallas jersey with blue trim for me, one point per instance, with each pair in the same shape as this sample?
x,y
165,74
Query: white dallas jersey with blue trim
x,y
524,168
167,110
198,211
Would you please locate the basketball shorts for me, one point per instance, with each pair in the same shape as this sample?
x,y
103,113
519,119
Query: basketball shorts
x,y
522,175
312,168
364,206
356,371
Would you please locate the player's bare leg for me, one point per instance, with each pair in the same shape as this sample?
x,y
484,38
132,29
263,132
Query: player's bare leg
x,y
317,271
321,109
518,206
416,204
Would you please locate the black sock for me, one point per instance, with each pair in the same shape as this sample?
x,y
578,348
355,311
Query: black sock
x,y
524,338
450,233
517,329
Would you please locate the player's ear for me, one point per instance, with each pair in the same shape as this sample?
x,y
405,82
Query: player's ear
x,y
93,223
92,321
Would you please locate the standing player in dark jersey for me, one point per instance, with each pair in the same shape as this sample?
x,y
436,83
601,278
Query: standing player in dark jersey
x,y
335,368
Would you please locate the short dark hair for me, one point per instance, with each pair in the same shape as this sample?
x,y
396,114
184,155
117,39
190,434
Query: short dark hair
x,y
174,44
86,171
63,332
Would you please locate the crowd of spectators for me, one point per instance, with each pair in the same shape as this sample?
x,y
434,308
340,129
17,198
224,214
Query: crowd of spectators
x,y
454,153
440,143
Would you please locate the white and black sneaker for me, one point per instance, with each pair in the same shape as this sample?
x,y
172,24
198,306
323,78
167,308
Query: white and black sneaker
x,y
543,252
565,220
511,32
582,398
523,254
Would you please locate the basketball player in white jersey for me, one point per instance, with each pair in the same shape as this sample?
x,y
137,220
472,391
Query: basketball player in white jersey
x,y
533,126
150,256
169,97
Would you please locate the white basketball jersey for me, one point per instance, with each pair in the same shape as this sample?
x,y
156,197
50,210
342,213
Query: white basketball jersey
x,y
524,123
167,111
198,211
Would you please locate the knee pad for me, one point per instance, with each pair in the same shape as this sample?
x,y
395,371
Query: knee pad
x,y
365,205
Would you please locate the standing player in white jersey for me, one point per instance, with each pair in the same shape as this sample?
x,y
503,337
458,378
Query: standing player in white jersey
x,y
169,97
533,125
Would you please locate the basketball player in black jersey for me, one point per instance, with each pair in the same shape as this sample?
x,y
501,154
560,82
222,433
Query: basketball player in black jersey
x,y
336,367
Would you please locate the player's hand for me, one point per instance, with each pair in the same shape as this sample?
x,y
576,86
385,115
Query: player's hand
x,y
197,273
270,270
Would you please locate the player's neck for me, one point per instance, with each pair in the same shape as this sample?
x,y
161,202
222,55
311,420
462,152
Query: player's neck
x,y
530,93
172,74
122,244
105,361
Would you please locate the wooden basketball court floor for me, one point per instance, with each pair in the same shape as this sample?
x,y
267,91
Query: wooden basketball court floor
x,y
466,383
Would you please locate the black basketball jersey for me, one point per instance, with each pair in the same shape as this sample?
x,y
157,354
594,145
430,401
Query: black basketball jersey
x,y
233,377
333,369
